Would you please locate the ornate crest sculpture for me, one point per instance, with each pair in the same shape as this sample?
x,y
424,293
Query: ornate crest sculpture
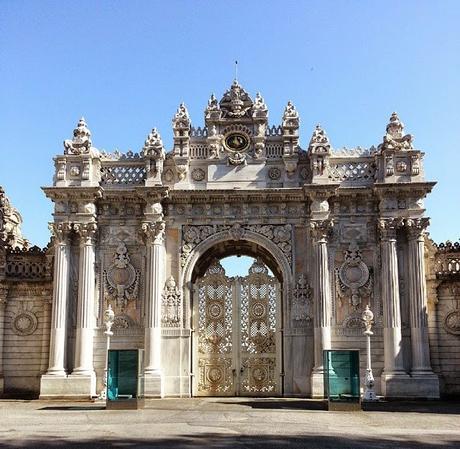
x,y
353,278
121,279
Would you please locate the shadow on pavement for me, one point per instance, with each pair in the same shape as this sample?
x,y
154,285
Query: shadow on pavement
x,y
84,408
277,404
213,441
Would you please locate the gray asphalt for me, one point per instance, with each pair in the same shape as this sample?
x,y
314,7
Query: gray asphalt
x,y
235,423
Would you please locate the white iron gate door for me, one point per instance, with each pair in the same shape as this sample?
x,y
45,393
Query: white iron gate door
x,y
237,343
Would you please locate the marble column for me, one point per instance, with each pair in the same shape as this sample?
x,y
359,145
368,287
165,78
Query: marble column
x,y
85,307
320,231
393,370
420,349
60,296
3,294
154,281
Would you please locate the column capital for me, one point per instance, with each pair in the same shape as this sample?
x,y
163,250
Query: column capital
x,y
60,231
416,227
388,227
86,231
321,229
154,233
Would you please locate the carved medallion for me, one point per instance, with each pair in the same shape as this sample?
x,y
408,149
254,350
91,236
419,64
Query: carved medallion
x,y
198,174
25,323
452,322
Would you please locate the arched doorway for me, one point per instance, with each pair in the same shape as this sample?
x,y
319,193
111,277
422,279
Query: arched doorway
x,y
237,344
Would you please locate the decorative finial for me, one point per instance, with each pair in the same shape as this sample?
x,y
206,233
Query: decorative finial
x,y
81,141
236,71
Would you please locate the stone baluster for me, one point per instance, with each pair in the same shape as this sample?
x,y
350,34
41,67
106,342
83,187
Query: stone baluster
x,y
154,280
3,294
85,307
391,302
60,296
417,296
320,231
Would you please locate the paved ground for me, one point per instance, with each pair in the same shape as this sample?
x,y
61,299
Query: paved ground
x,y
228,423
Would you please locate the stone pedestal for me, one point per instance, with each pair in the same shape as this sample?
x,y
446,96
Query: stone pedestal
x,y
154,233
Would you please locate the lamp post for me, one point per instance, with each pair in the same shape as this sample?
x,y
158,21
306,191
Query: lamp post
x,y
369,393
109,317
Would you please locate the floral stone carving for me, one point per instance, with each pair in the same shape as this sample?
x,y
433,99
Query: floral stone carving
x,y
353,279
302,304
193,235
121,279
171,304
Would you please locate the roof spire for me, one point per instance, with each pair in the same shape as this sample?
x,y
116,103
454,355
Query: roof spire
x,y
236,70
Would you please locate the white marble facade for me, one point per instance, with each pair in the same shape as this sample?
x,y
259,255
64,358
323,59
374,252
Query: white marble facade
x,y
340,229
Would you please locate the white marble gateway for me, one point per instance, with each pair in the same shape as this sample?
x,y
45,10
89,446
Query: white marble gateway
x,y
144,233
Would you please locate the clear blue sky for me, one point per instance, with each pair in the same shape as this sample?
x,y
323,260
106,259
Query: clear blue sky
x,y
126,65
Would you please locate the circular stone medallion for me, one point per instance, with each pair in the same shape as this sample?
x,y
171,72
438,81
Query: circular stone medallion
x,y
25,323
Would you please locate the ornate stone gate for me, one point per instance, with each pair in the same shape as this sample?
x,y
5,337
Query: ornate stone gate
x,y
237,324
339,229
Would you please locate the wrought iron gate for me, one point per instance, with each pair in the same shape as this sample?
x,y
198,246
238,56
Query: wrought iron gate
x,y
237,341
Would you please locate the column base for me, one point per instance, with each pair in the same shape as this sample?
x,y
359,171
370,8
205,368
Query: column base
x,y
317,384
76,387
415,386
153,385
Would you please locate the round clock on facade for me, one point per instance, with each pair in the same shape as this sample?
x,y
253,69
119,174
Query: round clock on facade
x,y
237,142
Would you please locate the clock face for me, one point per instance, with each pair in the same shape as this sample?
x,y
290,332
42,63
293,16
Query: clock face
x,y
237,142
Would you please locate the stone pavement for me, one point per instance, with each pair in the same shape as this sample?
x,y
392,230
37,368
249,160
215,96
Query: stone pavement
x,y
235,423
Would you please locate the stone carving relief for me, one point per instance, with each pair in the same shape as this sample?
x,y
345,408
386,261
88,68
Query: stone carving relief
x,y
81,141
302,302
171,304
121,279
123,322
394,138
192,235
353,278
24,322
198,174
452,322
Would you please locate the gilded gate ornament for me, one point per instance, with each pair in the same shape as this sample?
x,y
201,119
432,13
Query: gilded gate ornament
x,y
237,332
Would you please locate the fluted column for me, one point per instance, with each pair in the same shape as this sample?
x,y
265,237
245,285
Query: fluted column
x,y
417,296
390,297
60,296
154,281
3,294
320,231
85,307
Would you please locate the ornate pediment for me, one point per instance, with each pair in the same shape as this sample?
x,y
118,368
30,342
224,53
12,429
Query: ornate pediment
x,y
236,102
